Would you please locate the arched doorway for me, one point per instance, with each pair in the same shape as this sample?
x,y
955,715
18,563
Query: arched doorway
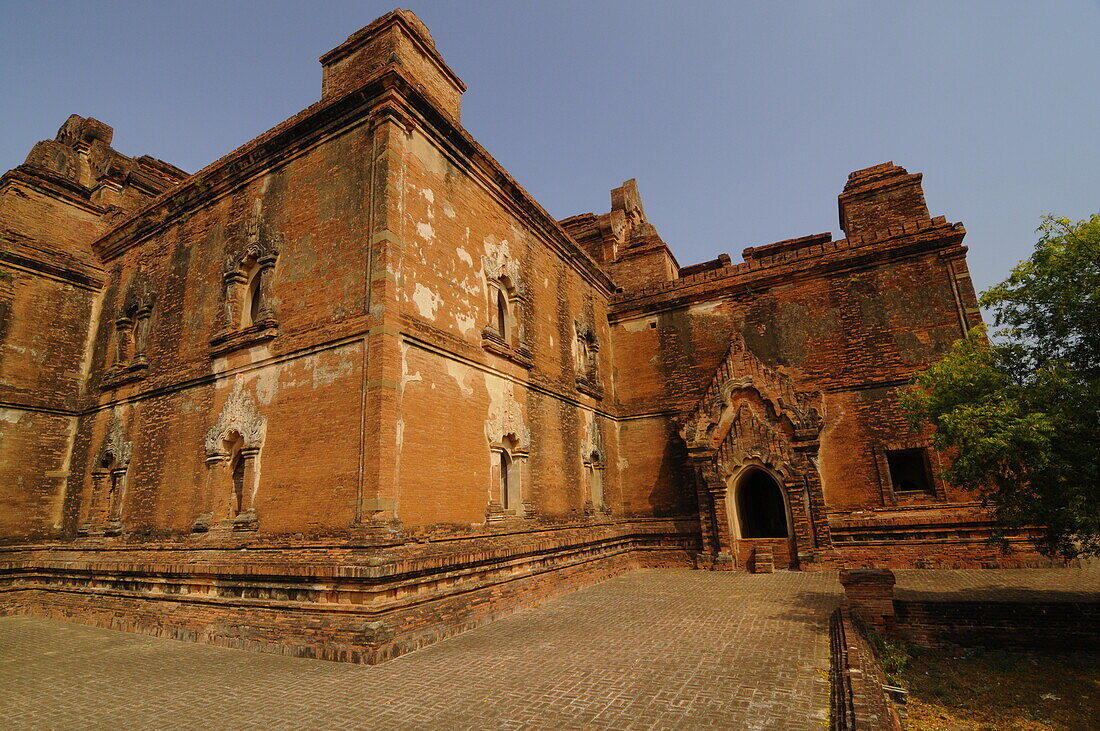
x,y
761,511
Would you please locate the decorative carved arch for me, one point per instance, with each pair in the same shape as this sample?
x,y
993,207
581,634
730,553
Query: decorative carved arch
x,y
503,279
109,473
253,256
508,434
115,448
503,271
233,448
238,415
752,414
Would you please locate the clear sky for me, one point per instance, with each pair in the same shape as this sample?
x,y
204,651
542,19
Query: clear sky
x,y
740,121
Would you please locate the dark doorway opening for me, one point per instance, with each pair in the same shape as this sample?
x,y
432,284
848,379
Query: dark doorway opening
x,y
760,507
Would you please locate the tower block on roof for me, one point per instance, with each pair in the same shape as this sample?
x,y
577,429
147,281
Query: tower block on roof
x,y
397,42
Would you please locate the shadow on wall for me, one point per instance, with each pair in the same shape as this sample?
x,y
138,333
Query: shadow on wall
x,y
674,491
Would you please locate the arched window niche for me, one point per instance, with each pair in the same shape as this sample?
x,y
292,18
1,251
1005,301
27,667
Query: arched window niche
x,y
108,490
508,481
594,466
587,346
248,313
502,315
759,505
130,359
253,309
233,448
506,301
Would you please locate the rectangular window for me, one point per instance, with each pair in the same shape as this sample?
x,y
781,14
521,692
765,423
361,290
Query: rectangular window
x,y
909,471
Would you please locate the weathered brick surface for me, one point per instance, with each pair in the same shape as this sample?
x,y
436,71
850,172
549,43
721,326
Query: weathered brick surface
x,y
301,346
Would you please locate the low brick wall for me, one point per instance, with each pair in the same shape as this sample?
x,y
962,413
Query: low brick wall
x,y
858,700
1029,624
329,602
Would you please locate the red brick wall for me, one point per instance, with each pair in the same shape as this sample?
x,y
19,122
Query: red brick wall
x,y
1040,625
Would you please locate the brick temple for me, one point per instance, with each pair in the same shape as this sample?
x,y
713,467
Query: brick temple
x,y
351,389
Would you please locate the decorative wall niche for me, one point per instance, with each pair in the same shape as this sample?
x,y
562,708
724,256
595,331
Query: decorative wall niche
x,y
233,446
594,463
131,334
508,300
587,360
248,314
509,444
108,476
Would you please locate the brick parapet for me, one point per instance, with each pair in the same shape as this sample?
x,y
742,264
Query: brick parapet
x,y
858,699
813,260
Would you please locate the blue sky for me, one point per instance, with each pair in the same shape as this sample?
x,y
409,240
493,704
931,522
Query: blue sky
x,y
740,121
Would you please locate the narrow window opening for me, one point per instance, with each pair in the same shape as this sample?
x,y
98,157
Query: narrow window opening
x,y
505,463
251,310
502,315
238,484
909,472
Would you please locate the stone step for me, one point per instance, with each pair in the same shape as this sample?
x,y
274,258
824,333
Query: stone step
x,y
762,560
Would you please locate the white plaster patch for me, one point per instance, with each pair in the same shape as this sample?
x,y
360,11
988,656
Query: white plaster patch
x,y
705,308
448,211
406,377
465,323
465,256
426,301
426,231
633,326
323,374
12,416
400,432
428,195
428,153
460,373
267,383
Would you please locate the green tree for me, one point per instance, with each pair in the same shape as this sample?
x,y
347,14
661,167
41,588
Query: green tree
x,y
1021,414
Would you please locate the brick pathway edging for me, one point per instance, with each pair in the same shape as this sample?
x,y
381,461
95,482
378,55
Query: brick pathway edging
x,y
858,700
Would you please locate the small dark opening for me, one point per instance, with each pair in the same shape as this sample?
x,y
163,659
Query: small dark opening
x,y
502,315
254,299
760,507
504,480
238,484
909,470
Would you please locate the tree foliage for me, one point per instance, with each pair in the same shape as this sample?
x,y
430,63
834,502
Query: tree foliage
x,y
1021,414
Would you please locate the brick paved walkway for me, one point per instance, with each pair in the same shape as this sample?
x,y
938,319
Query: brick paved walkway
x,y
650,649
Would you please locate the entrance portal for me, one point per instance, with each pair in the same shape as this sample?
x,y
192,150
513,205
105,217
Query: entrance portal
x,y
760,508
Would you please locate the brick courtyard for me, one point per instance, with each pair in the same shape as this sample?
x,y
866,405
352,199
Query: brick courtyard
x,y
650,649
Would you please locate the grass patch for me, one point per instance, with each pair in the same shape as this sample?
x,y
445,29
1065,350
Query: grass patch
x,y
978,688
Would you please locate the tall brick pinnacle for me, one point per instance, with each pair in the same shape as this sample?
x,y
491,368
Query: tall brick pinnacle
x,y
397,42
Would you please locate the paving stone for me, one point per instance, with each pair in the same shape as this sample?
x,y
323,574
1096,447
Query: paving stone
x,y
653,649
